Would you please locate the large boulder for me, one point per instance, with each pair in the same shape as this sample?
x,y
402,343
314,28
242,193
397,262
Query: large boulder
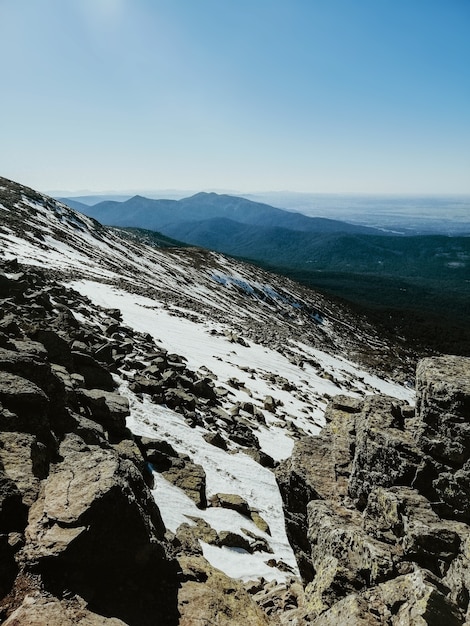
x,y
95,529
24,461
344,557
415,599
108,408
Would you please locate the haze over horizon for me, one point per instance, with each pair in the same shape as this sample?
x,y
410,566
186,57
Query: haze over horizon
x,y
301,95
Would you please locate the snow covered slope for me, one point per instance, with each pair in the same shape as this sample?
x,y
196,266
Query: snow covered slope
x,y
275,351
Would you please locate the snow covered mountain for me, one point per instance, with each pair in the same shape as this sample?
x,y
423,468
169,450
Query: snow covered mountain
x,y
254,358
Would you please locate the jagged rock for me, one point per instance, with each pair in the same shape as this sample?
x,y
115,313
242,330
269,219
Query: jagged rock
x,y
344,557
23,460
283,602
13,512
9,567
216,439
94,374
9,325
208,596
241,433
402,516
143,384
96,530
234,540
416,598
269,404
453,489
260,457
353,610
247,407
27,404
27,346
239,504
457,577
189,477
80,346
204,388
90,431
231,501
443,408
185,541
259,522
204,531
442,429
128,449
258,544
178,398
57,348
31,368
107,408
388,556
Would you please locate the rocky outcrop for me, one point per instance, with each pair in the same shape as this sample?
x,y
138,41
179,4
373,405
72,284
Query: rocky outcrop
x,y
442,430
208,596
39,609
80,534
377,505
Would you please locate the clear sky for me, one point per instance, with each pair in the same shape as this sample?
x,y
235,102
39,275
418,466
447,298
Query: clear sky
x,y
249,95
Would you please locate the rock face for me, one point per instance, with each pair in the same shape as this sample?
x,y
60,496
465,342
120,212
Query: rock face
x,y
377,507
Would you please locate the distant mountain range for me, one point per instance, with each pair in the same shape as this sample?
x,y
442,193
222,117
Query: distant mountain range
x,y
372,267
166,215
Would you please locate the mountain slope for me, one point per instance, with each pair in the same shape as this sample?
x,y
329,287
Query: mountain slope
x,y
393,276
222,367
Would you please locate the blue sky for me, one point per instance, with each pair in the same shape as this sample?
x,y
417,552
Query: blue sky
x,y
336,96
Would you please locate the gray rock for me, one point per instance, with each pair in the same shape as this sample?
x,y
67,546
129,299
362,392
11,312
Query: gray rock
x,y
216,439
385,454
37,610
13,512
190,477
344,557
401,516
94,374
107,408
57,347
96,531
23,461
318,469
233,540
443,408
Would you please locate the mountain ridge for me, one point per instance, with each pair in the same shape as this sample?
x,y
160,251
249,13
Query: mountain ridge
x,y
153,214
